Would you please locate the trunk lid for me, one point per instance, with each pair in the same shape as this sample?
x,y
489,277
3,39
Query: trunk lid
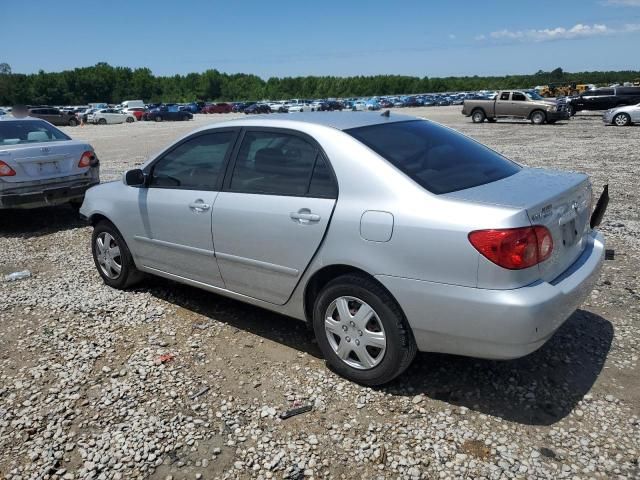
x,y
43,161
561,201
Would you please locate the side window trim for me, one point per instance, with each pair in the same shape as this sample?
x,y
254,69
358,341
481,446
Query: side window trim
x,y
231,164
322,157
218,187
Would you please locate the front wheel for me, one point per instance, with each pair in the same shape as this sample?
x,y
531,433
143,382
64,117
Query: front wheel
x,y
130,119
102,121
361,331
622,120
538,117
73,122
158,118
112,257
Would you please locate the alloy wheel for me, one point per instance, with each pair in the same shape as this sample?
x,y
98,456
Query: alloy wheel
x,y
108,255
621,120
355,333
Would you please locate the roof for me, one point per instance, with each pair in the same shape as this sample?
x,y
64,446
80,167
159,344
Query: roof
x,y
10,117
337,120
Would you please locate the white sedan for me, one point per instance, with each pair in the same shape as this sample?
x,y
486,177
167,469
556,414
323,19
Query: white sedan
x,y
622,116
109,115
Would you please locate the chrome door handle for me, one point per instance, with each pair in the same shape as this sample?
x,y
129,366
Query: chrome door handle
x,y
199,206
304,216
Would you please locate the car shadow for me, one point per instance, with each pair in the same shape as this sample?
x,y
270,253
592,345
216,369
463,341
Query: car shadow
x,y
528,122
539,389
258,321
35,222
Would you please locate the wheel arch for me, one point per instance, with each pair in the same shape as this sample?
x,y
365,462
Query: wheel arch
x,y
326,274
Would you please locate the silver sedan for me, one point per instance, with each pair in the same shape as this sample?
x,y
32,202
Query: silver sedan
x,y
42,166
386,233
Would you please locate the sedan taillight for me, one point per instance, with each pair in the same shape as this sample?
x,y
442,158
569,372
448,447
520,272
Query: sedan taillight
x,y
514,248
86,160
6,170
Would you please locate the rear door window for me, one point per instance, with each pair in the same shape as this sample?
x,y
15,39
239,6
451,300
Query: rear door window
x,y
274,163
518,97
439,159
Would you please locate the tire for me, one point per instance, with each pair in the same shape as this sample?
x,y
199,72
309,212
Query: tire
x,y
102,121
185,118
478,116
158,118
108,265
386,327
538,117
621,120
572,110
73,122
129,120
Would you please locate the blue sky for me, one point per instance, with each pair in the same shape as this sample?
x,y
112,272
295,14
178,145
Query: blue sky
x,y
324,37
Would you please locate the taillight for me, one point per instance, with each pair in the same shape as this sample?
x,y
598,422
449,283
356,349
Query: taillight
x,y
514,248
6,170
86,159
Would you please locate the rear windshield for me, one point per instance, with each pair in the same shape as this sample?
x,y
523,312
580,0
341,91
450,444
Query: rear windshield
x,y
437,158
14,132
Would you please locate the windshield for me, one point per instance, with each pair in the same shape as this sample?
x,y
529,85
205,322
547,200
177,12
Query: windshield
x,y
533,96
15,132
439,159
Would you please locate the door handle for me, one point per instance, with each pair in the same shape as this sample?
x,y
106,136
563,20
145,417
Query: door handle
x,y
199,206
304,215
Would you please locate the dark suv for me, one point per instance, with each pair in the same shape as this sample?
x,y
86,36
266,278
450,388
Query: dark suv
x,y
54,116
604,99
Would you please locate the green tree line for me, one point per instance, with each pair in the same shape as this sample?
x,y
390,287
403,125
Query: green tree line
x,y
105,83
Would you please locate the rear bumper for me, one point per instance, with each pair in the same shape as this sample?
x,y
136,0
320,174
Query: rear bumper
x,y
34,196
496,324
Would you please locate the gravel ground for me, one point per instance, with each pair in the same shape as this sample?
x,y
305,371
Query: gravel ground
x,y
167,381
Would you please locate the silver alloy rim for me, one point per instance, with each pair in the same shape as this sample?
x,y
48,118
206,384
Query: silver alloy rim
x,y
537,118
108,255
355,333
477,117
620,120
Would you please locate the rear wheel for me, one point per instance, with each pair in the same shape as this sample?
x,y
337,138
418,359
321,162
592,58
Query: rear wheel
x,y
361,331
622,120
73,122
538,117
158,118
185,118
130,119
478,116
102,121
112,257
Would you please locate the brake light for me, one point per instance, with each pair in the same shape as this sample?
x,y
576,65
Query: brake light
x,y
86,159
514,248
6,170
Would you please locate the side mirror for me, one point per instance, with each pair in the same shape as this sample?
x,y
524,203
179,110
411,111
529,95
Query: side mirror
x,y
135,178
